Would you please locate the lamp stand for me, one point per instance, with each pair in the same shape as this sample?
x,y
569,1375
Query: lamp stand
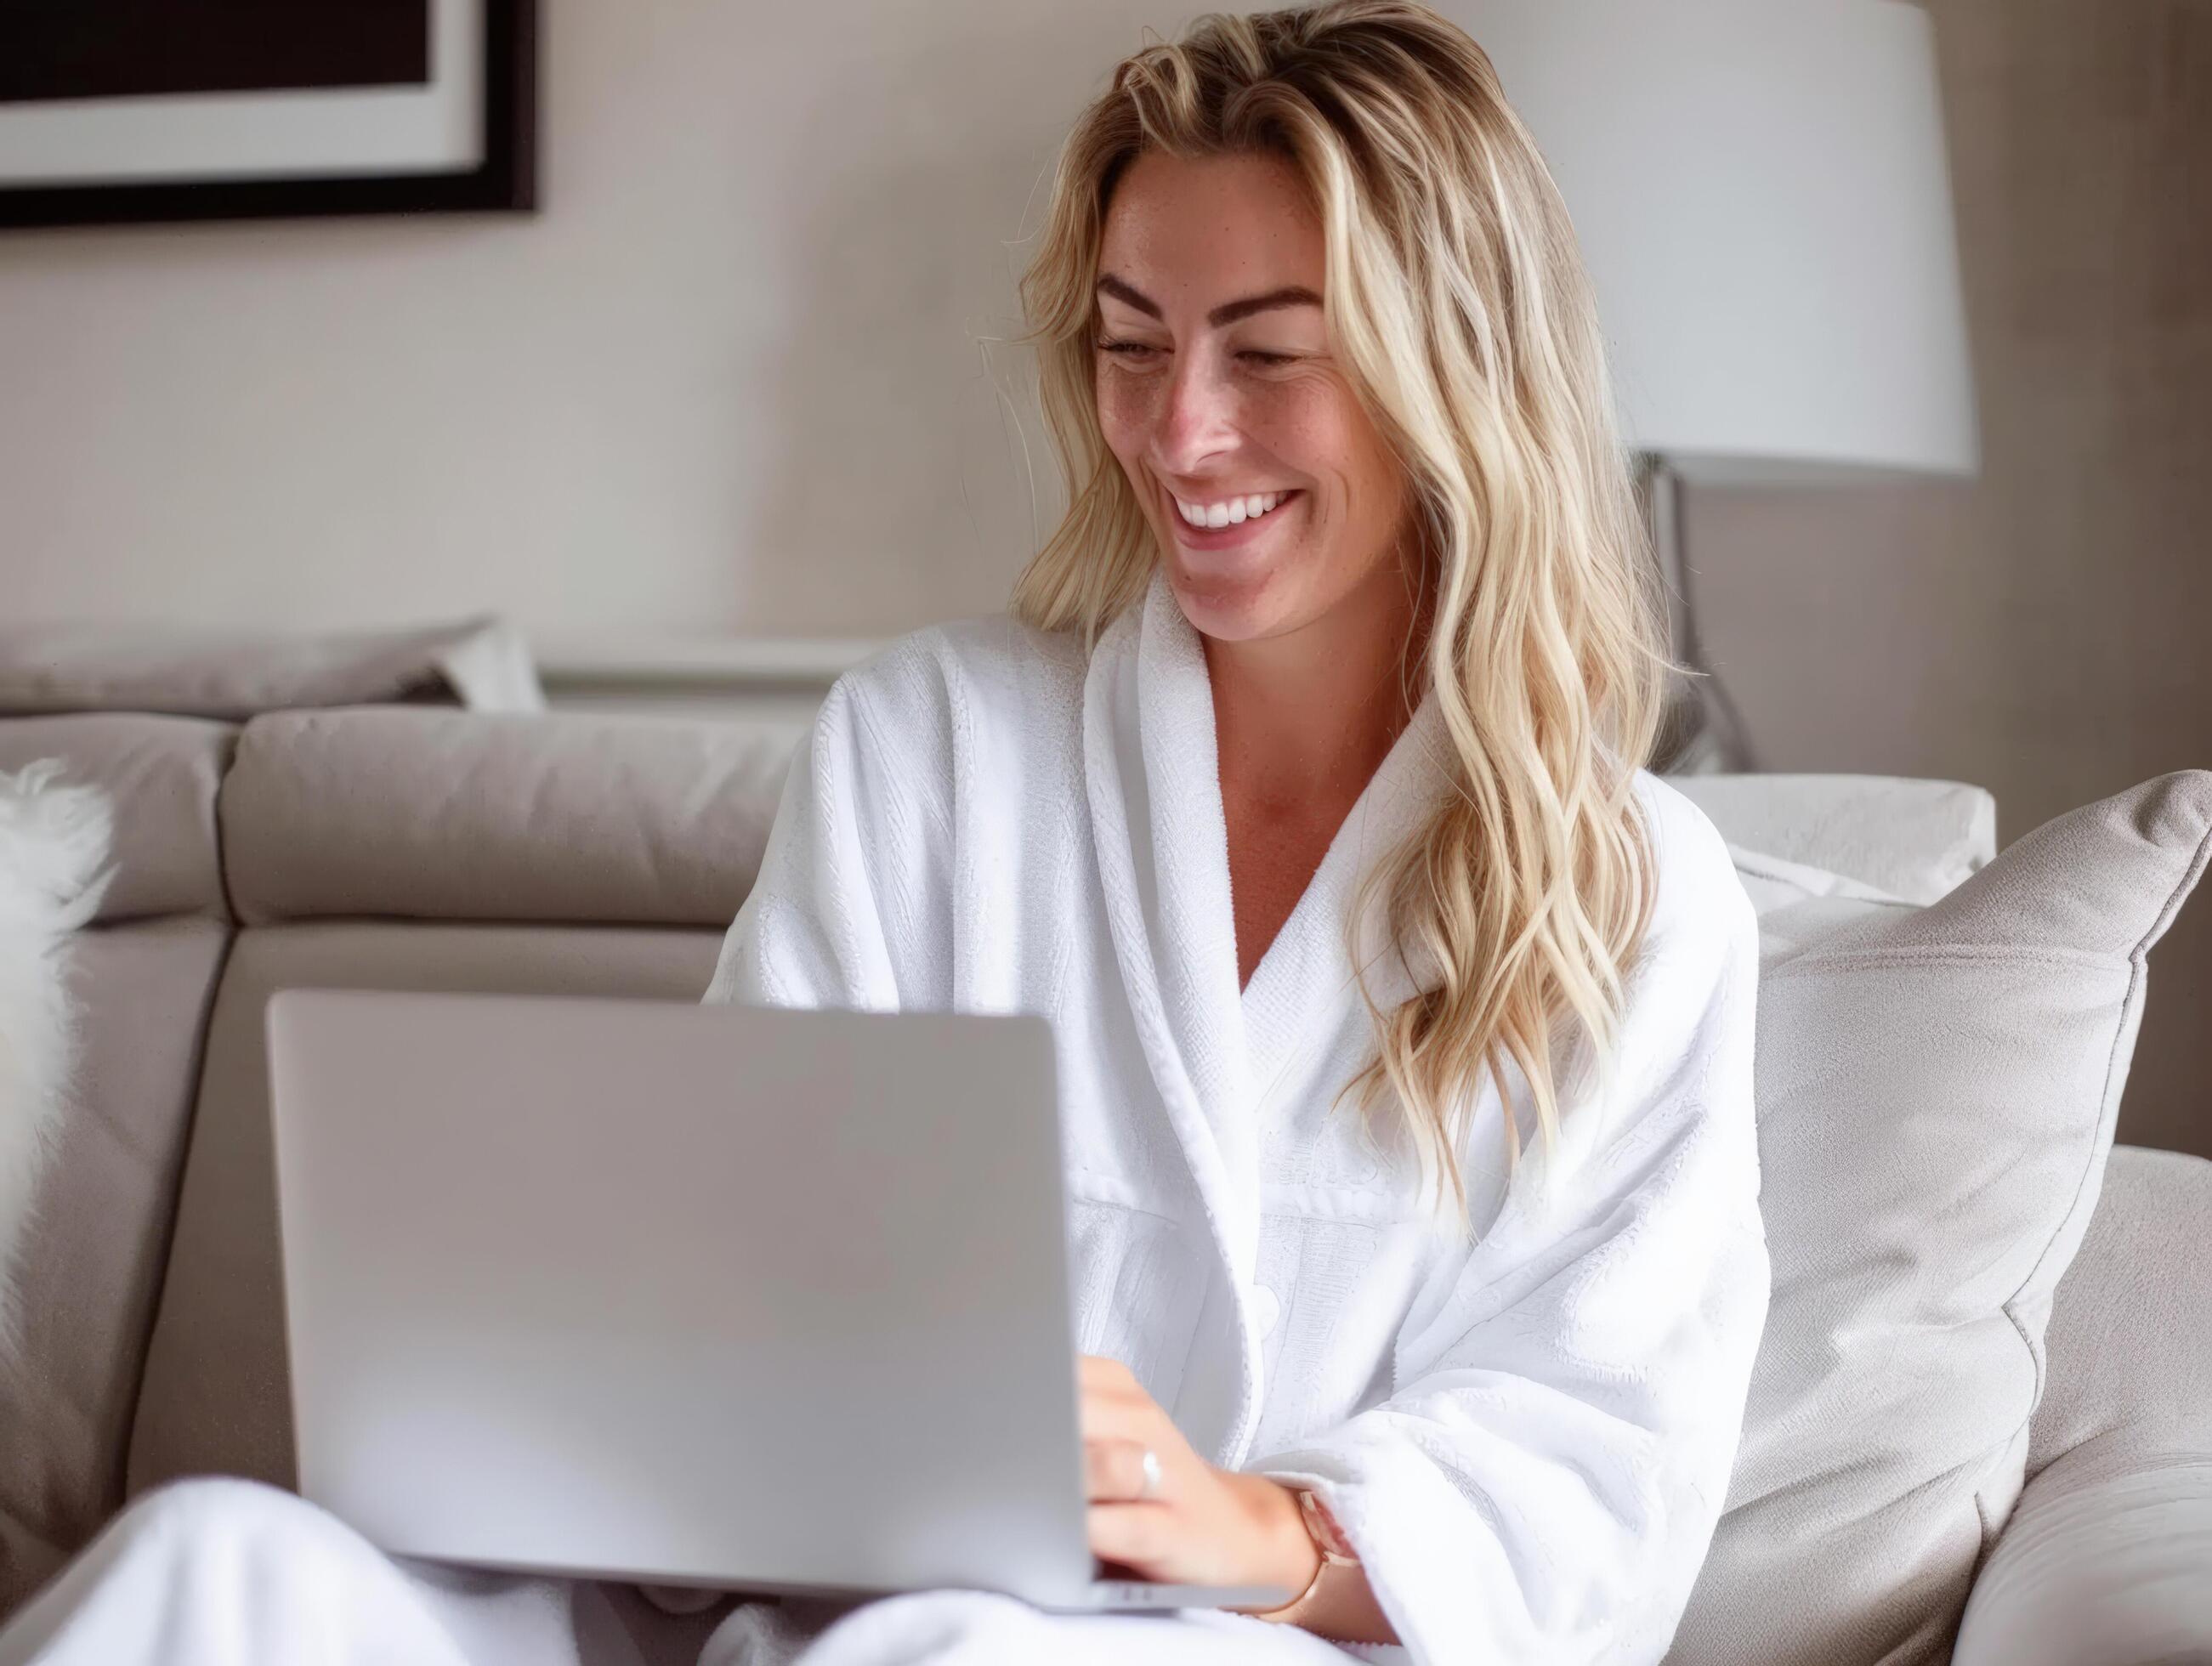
x,y
1703,734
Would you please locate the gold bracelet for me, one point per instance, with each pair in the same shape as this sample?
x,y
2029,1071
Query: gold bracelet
x,y
1335,1550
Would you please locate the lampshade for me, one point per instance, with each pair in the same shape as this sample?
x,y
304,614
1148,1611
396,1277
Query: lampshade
x,y
1761,192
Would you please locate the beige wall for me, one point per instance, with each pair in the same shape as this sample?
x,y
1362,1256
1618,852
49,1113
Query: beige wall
x,y
2043,630
735,379
731,377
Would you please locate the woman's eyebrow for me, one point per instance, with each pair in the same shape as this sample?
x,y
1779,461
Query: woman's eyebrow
x,y
1227,313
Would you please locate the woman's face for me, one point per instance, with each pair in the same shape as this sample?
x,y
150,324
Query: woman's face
x,y
1217,387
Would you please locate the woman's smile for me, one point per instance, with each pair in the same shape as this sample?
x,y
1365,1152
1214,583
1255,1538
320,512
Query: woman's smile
x,y
1217,524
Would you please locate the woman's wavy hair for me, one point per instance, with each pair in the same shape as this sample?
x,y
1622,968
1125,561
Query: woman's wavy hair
x,y
1457,305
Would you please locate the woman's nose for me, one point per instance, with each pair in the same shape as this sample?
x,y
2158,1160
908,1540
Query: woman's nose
x,y
1198,420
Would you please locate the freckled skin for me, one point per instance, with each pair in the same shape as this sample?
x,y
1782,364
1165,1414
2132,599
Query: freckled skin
x,y
1191,236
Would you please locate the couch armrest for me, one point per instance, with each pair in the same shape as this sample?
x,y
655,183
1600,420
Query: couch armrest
x,y
2101,1564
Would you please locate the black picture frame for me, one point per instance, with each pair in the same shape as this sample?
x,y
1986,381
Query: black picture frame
x,y
506,181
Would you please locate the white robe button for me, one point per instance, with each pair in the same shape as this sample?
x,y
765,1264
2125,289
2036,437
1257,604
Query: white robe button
x,y
1266,1309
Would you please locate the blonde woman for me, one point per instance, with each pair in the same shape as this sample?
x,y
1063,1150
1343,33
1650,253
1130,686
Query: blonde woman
x,y
1405,1019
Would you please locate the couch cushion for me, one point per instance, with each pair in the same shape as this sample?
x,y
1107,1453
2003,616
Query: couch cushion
x,y
435,815
2108,1559
91,1263
479,663
2130,1335
1912,839
215,1396
1937,1088
161,775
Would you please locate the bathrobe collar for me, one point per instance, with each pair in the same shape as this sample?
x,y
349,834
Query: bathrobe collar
x,y
1154,785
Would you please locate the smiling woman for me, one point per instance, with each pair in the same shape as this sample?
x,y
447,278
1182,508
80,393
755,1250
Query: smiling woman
x,y
1325,373
1403,1018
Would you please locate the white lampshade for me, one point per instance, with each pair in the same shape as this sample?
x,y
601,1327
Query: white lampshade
x,y
1761,192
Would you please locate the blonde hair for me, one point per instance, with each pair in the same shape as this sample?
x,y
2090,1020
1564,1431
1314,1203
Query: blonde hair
x,y
1456,303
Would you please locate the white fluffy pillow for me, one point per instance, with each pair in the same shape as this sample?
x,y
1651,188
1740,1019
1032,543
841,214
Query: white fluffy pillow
x,y
53,840
1914,840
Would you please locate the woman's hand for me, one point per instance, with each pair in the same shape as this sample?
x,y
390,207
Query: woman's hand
x,y
1200,1525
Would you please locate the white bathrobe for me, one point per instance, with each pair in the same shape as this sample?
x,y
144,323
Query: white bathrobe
x,y
1527,1431
1528,1436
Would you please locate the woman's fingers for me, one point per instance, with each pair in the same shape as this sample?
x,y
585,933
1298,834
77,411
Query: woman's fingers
x,y
1137,1536
1157,1530
1115,1471
1108,1417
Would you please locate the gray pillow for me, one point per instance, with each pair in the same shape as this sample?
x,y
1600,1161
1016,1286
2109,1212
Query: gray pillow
x,y
482,664
1937,1088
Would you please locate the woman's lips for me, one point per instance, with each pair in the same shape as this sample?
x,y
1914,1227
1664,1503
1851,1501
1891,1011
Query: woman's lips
x,y
1227,538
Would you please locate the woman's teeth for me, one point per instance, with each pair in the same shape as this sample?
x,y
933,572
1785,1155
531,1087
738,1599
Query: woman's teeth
x,y
1231,511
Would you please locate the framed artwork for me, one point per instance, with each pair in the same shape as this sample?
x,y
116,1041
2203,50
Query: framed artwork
x,y
117,110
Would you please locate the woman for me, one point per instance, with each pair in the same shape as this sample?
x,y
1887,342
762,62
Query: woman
x,y
1405,1019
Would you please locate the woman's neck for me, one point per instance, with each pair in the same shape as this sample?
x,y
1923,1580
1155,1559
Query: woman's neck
x,y
1312,713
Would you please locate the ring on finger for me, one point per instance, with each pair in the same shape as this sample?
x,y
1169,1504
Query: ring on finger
x,y
1150,1488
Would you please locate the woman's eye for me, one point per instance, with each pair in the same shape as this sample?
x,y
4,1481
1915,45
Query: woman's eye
x,y
1140,351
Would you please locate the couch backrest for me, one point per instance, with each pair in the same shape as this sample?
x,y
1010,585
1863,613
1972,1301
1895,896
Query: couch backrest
x,y
392,813
161,775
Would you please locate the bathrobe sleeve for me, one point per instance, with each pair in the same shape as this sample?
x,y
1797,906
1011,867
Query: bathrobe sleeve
x,y
845,912
1542,1483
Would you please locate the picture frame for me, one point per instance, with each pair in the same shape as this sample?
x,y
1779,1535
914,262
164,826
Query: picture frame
x,y
460,138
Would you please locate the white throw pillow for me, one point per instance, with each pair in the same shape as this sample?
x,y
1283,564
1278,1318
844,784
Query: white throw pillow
x,y
1911,838
1937,1088
53,842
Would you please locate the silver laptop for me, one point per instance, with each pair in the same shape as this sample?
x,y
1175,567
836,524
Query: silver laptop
x,y
683,1294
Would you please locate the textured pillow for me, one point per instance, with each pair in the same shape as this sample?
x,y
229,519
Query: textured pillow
x,y
1937,1088
52,841
482,664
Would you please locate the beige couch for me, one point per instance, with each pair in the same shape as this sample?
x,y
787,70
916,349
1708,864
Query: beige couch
x,y
384,846
421,848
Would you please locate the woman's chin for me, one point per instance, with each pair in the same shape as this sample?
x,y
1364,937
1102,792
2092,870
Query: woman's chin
x,y
1229,603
